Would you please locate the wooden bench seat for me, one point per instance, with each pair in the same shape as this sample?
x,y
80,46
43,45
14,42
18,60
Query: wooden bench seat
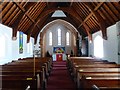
x,y
94,66
18,82
87,82
90,72
47,63
97,73
23,70
94,87
38,75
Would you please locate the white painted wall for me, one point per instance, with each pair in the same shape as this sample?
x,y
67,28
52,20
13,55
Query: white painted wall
x,y
110,45
7,32
118,36
12,46
64,30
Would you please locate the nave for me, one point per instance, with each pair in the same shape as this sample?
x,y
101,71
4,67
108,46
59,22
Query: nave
x,y
60,78
32,31
77,73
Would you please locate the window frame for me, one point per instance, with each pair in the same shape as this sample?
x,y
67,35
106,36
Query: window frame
x,y
59,35
67,38
50,38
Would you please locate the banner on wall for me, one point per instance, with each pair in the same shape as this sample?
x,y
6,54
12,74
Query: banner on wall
x,y
58,49
20,42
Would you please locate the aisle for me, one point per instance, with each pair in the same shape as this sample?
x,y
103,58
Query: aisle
x,y
60,78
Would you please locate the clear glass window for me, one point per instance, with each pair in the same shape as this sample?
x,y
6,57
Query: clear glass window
x,y
59,36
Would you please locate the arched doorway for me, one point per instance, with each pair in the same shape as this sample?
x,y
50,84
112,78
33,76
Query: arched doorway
x,y
98,47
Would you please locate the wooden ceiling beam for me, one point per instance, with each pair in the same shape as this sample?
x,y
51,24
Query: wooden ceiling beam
x,y
99,18
50,10
87,29
26,14
18,20
29,33
96,8
85,19
23,10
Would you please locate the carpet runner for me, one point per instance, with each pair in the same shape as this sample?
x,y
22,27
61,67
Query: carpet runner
x,y
60,78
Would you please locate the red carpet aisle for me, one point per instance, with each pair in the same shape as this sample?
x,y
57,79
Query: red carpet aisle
x,y
60,78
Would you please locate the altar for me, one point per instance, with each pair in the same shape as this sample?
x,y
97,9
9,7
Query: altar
x,y
59,54
59,57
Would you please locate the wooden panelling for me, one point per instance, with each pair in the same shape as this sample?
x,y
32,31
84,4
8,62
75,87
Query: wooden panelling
x,y
31,15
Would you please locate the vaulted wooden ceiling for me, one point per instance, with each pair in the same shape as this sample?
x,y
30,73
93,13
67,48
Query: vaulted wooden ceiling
x,y
31,17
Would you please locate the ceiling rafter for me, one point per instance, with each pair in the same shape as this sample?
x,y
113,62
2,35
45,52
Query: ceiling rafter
x,y
8,17
34,10
8,14
26,14
19,6
114,10
31,29
15,29
28,17
96,8
111,14
100,20
39,11
17,12
106,15
25,19
50,10
82,10
87,29
78,10
8,6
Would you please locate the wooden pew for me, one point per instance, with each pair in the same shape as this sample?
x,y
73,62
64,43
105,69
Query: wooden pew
x,y
20,67
39,74
86,74
46,60
87,61
90,64
90,72
30,64
94,87
18,82
87,82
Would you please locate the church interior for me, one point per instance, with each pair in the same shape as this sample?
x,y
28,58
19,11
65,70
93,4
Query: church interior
x,y
60,45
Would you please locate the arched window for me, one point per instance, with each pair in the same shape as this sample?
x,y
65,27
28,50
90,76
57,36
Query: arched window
x,y
98,47
59,36
50,38
74,40
2,46
67,38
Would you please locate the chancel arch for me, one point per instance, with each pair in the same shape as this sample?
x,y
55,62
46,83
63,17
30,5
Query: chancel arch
x,y
53,28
